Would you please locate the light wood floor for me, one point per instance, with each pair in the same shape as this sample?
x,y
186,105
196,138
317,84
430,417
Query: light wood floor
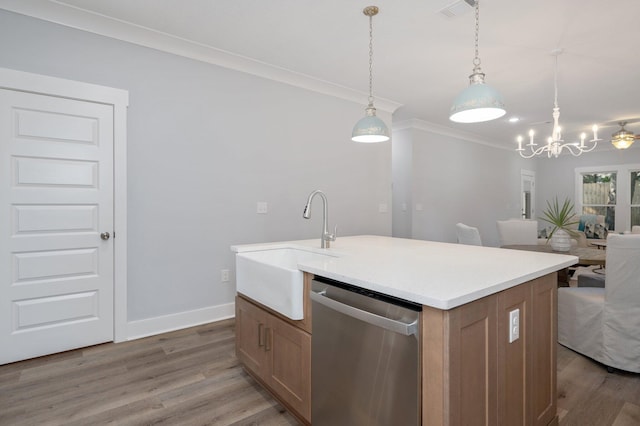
x,y
191,377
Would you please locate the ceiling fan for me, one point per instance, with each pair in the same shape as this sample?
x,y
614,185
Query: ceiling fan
x,y
623,139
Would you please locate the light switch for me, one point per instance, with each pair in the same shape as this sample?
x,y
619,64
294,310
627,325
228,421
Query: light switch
x,y
262,207
382,208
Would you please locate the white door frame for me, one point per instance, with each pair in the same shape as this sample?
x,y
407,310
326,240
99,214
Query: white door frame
x,y
45,85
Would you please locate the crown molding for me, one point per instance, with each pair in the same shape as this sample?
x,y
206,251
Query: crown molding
x,y
81,19
425,126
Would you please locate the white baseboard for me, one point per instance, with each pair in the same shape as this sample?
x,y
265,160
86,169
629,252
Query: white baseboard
x,y
152,326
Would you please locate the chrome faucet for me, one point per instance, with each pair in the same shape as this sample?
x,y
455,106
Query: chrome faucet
x,y
326,237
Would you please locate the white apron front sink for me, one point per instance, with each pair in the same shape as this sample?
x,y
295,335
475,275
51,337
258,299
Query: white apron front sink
x,y
272,278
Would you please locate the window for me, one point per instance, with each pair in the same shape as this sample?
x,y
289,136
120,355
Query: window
x,y
610,191
599,196
635,198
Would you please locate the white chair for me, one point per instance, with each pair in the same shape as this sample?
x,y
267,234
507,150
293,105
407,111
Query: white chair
x,y
468,235
604,323
517,232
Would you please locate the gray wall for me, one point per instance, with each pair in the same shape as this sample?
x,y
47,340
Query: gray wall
x,y
402,166
205,144
454,180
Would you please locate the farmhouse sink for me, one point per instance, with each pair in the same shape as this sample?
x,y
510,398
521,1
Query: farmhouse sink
x,y
272,278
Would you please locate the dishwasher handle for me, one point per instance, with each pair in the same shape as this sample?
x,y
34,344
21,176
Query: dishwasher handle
x,y
368,317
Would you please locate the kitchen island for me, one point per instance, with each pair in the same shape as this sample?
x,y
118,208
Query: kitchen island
x,y
470,371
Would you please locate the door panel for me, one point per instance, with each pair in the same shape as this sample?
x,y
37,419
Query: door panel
x,y
56,170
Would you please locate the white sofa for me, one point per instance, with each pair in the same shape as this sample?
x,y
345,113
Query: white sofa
x,y
604,323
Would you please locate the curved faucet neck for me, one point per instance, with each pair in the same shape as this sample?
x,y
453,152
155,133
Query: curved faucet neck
x,y
325,215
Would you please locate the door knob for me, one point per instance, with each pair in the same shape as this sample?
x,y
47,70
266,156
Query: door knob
x,y
105,236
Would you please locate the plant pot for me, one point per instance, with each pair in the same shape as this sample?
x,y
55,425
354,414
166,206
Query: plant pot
x,y
560,241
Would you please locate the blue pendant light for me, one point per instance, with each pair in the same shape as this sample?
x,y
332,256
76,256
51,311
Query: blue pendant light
x,y
478,102
370,128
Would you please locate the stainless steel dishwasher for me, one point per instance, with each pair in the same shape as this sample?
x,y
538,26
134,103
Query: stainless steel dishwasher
x,y
365,357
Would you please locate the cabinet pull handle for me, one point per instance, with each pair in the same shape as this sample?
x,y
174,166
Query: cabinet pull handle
x,y
267,340
260,335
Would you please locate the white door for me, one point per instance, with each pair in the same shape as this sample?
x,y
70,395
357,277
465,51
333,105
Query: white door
x,y
56,198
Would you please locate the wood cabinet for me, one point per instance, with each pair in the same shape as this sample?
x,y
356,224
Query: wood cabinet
x,y
277,352
472,375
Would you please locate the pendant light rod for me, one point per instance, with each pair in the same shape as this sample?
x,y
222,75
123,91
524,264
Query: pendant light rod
x,y
370,128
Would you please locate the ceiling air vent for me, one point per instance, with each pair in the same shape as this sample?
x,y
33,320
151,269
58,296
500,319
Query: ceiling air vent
x,y
457,8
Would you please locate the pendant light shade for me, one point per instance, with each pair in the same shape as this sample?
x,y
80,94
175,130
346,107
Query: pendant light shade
x,y
478,102
370,128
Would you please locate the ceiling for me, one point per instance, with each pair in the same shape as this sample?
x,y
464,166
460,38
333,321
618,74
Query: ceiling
x,y
422,59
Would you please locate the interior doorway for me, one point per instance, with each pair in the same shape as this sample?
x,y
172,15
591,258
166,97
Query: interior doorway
x,y
63,183
527,194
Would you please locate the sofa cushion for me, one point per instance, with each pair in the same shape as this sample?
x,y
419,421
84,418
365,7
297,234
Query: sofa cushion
x,y
586,219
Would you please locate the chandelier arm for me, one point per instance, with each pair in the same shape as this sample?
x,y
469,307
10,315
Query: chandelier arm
x,y
589,149
533,152
571,148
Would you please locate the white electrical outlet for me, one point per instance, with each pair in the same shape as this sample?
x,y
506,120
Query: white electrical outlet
x,y
514,325
224,275
262,207
382,208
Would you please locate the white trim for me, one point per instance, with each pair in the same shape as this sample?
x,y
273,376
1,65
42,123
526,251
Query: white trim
x,y
36,83
96,23
425,126
152,326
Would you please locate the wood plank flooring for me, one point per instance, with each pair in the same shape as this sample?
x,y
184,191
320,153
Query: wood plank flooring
x,y
192,377
187,377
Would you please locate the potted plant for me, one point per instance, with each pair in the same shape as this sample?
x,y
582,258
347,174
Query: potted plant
x,y
561,217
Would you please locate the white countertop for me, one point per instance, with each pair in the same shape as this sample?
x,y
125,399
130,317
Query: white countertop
x,y
440,275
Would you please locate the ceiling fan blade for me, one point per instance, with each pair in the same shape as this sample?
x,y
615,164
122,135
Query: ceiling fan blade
x,y
616,123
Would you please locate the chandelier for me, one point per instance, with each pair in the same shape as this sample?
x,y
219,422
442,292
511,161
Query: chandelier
x,y
555,144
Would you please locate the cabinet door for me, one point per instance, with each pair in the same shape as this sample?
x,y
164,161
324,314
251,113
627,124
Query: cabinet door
x,y
473,359
251,324
544,335
290,365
